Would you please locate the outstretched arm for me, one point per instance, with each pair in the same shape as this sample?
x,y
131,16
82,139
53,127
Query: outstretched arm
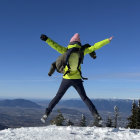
x,y
53,44
97,45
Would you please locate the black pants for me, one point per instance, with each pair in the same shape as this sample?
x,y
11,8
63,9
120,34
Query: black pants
x,y
78,85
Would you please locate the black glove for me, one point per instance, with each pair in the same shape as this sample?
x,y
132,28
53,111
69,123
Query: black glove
x,y
43,37
93,55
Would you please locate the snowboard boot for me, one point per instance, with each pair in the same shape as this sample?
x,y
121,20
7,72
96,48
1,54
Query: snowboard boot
x,y
98,121
45,116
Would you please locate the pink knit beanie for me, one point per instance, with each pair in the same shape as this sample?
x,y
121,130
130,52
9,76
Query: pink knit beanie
x,y
76,37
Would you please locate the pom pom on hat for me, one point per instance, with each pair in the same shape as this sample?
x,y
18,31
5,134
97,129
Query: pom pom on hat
x,y
76,37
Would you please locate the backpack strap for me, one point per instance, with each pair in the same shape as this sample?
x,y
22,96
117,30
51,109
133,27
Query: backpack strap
x,y
68,71
81,62
84,78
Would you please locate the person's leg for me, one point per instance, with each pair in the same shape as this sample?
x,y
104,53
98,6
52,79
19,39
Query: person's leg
x,y
78,85
65,84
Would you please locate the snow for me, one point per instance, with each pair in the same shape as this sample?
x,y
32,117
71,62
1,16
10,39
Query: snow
x,y
69,133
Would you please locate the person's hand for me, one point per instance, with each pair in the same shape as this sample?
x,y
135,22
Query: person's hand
x,y
43,37
93,55
111,38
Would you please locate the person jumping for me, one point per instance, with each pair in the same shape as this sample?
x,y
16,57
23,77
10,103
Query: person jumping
x,y
72,73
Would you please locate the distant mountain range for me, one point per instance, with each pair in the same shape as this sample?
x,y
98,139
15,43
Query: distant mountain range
x,y
19,103
124,105
28,112
102,104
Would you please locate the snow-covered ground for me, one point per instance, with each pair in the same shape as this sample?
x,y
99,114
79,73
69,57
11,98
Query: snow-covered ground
x,y
69,133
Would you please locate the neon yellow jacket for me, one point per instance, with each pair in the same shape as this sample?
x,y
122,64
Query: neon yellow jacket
x,y
73,60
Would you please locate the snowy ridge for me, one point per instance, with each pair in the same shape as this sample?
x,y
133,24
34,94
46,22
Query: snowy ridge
x,y
69,133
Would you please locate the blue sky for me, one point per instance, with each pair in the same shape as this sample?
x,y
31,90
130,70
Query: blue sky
x,y
25,59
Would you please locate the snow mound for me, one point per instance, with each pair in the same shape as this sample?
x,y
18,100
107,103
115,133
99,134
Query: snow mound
x,y
69,133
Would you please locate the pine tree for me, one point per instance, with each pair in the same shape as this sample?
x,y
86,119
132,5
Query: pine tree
x,y
133,118
138,116
116,111
69,123
109,122
83,121
58,120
